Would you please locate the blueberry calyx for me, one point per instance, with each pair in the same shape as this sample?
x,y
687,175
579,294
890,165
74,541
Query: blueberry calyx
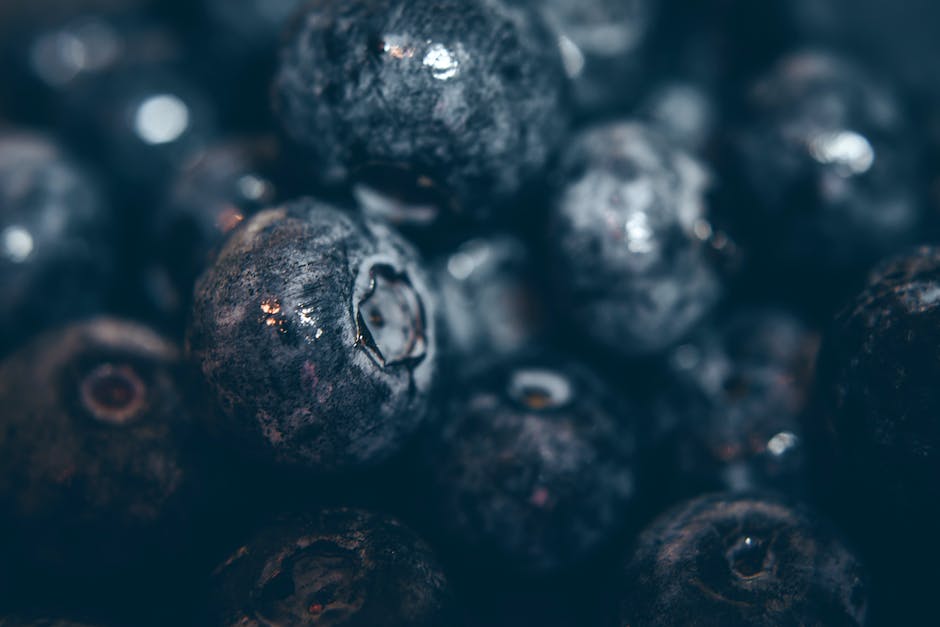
x,y
390,319
113,393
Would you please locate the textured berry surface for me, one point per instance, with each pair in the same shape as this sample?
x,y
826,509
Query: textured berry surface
x,y
316,333
629,239
534,462
467,94
337,568
97,466
743,560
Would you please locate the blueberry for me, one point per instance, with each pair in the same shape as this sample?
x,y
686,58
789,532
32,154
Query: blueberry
x,y
141,123
533,463
97,467
490,303
340,567
56,230
742,560
604,46
216,190
629,239
462,96
877,387
740,388
316,332
826,163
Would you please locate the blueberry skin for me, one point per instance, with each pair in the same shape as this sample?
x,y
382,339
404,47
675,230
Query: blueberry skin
x,y
56,230
214,192
489,298
533,464
467,95
742,560
740,388
827,165
340,567
316,333
877,388
629,239
97,466
686,111
604,47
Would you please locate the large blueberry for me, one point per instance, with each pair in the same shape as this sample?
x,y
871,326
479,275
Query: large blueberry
x,y
316,333
742,560
827,163
98,468
465,96
534,464
739,389
339,567
629,239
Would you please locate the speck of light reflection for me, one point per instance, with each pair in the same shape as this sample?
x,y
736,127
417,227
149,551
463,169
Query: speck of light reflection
x,y
161,119
847,149
442,62
16,243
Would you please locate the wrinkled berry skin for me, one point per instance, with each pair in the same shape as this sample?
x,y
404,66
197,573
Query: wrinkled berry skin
x,y
214,192
827,165
465,94
740,387
489,298
337,568
534,464
316,333
604,47
629,239
877,387
97,472
742,560
56,229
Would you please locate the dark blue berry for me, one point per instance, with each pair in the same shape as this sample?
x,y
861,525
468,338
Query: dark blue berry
x,y
56,238
462,96
534,464
629,239
97,467
316,333
739,391
742,560
879,410
826,160
341,567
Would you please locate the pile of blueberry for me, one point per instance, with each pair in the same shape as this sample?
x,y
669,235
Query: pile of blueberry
x,y
469,313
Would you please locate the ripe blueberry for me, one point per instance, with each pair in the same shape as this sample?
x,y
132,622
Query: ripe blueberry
x,y
534,464
461,95
742,560
316,333
97,472
341,568
629,238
